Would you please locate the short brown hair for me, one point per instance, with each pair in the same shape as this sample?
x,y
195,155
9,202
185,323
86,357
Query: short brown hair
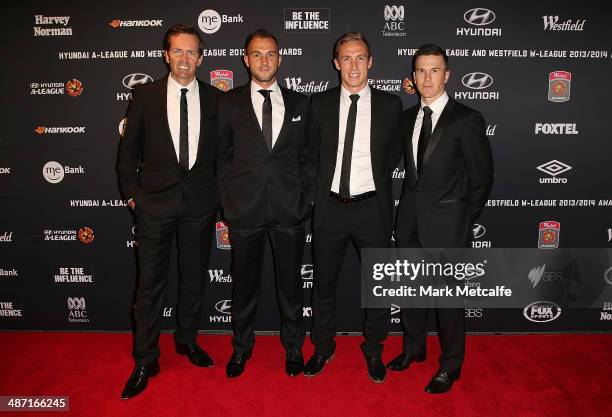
x,y
177,30
350,37
259,33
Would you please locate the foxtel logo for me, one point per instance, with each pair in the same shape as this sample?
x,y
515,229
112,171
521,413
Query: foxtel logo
x,y
41,130
116,23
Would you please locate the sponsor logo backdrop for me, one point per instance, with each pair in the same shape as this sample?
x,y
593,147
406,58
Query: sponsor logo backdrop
x,y
539,72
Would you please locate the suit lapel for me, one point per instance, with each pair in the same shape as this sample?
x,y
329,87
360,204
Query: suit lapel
x,y
443,121
204,130
164,112
411,117
334,110
246,98
289,111
375,118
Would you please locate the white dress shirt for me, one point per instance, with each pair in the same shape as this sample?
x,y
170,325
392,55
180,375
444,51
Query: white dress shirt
x,y
193,116
278,106
436,107
362,180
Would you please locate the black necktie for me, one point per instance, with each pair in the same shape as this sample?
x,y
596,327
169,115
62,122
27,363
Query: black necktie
x,y
424,137
345,173
184,133
266,117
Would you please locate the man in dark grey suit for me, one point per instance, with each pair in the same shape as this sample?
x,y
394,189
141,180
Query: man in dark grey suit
x,y
266,178
166,171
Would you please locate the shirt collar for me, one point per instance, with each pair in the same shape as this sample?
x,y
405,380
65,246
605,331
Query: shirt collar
x,y
365,92
438,105
175,87
256,87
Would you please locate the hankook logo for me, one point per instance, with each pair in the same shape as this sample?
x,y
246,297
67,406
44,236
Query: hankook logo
x,y
477,80
479,16
132,80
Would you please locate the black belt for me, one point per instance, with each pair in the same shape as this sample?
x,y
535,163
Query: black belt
x,y
352,199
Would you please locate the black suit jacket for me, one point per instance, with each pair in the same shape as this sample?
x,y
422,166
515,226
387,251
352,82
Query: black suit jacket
x,y
439,208
250,175
147,165
385,147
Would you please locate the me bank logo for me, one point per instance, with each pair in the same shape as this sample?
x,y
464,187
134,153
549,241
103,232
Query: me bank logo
x,y
209,21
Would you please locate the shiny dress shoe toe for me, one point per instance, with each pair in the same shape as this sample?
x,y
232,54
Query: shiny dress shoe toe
x,y
442,382
403,361
376,369
139,379
236,364
196,355
316,364
294,363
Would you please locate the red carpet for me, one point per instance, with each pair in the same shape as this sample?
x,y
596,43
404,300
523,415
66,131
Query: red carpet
x,y
527,376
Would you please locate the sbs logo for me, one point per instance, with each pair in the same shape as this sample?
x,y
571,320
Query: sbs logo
x,y
479,16
477,80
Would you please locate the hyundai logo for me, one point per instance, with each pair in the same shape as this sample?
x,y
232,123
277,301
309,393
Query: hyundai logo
x,y
132,80
479,16
478,230
477,80
224,306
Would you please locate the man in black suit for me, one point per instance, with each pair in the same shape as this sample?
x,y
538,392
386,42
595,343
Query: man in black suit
x,y
166,170
449,175
354,128
266,176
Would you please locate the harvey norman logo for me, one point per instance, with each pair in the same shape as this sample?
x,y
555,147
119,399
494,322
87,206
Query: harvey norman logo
x,y
51,26
552,23
43,130
118,23
479,20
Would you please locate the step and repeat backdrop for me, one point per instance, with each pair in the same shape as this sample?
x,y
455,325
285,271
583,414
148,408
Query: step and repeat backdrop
x,y
538,70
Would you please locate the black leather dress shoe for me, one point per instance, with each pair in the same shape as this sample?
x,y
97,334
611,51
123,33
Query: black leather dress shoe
x,y
376,369
316,364
403,361
442,382
294,363
138,380
196,355
236,364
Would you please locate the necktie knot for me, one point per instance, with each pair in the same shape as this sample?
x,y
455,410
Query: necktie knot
x,y
184,92
354,98
265,93
427,111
